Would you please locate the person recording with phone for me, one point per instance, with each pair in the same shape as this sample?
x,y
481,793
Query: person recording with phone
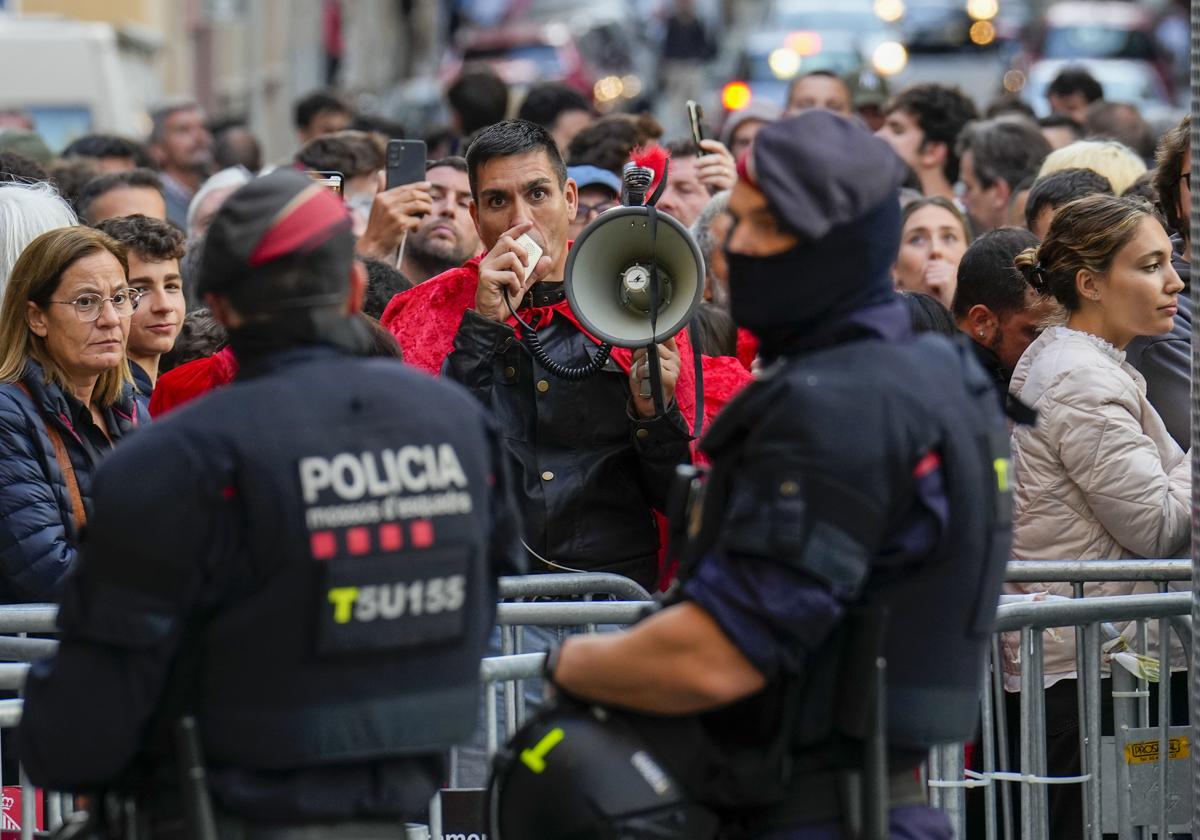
x,y
595,458
431,217
700,168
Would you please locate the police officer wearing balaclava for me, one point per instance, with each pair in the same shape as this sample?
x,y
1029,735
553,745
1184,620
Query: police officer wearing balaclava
x,y
859,486
304,563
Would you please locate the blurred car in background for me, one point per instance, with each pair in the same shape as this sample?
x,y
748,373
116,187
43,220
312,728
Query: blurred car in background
x,y
1124,80
768,63
931,24
878,41
1103,29
522,54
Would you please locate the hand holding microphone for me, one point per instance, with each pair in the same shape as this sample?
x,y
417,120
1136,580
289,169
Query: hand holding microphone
x,y
513,264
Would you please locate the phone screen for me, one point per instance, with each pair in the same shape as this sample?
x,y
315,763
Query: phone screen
x,y
332,180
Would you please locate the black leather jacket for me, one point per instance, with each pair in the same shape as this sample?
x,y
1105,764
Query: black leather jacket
x,y
590,470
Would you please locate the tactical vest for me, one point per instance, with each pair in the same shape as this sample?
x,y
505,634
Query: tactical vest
x,y
354,625
814,467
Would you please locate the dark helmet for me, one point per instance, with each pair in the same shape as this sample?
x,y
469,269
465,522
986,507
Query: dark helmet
x,y
582,773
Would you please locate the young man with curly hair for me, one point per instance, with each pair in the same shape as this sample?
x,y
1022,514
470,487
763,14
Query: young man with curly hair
x,y
154,248
922,123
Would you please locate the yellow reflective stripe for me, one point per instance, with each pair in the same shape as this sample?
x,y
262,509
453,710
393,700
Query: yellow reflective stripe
x,y
1000,465
535,758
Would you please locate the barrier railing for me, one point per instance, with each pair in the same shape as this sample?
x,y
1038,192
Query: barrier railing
x,y
1090,571
1123,809
1121,793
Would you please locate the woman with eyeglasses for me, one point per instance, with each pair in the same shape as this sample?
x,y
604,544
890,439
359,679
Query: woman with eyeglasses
x,y
66,397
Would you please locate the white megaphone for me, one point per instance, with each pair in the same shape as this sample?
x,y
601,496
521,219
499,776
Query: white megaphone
x,y
609,280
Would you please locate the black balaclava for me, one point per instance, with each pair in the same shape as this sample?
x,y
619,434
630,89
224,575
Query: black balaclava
x,y
816,283
836,187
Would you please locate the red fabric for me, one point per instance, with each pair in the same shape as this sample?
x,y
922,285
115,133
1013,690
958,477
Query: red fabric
x,y
196,378
747,347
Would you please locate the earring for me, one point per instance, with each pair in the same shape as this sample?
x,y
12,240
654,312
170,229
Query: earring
x,y
981,333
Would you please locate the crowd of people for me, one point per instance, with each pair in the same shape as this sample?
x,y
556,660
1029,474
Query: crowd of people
x,y
1057,249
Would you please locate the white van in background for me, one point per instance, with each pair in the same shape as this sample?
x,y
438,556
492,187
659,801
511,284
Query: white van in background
x,y
75,77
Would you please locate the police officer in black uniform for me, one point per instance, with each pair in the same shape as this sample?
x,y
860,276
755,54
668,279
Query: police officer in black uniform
x,y
857,508
304,563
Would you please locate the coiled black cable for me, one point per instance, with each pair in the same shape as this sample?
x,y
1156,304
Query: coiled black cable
x,y
570,373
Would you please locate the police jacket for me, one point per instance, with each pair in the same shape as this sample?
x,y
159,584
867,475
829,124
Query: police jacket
x,y
37,532
863,476
305,561
590,469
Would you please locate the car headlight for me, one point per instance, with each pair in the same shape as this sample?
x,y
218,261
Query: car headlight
x,y
889,58
889,10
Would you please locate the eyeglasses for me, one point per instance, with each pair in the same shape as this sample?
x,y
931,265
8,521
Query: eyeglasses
x,y
590,211
1186,177
89,307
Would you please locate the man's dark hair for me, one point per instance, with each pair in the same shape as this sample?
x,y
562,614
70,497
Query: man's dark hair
x,y
350,152
1009,147
927,314
683,148
479,97
152,240
384,282
109,146
18,168
1062,187
132,179
1123,122
508,138
1061,121
318,102
987,274
940,112
376,124
236,145
1075,80
71,175
824,74
1172,149
1143,188
453,161
1009,103
546,101
200,337
607,142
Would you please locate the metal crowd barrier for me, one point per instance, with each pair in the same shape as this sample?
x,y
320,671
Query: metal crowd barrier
x,y
1131,782
1117,794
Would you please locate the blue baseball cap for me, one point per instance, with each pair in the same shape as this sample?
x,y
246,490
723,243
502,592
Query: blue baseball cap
x,y
594,176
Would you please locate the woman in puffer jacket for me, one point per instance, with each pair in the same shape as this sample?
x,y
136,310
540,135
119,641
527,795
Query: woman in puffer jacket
x,y
1098,477
66,396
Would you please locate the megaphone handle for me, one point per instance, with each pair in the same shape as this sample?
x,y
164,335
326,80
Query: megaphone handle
x,y
652,384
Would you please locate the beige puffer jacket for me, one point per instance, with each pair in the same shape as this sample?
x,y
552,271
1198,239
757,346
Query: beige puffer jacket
x,y
1098,478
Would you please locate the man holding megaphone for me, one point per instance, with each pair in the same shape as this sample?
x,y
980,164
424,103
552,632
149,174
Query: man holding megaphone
x,y
597,455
